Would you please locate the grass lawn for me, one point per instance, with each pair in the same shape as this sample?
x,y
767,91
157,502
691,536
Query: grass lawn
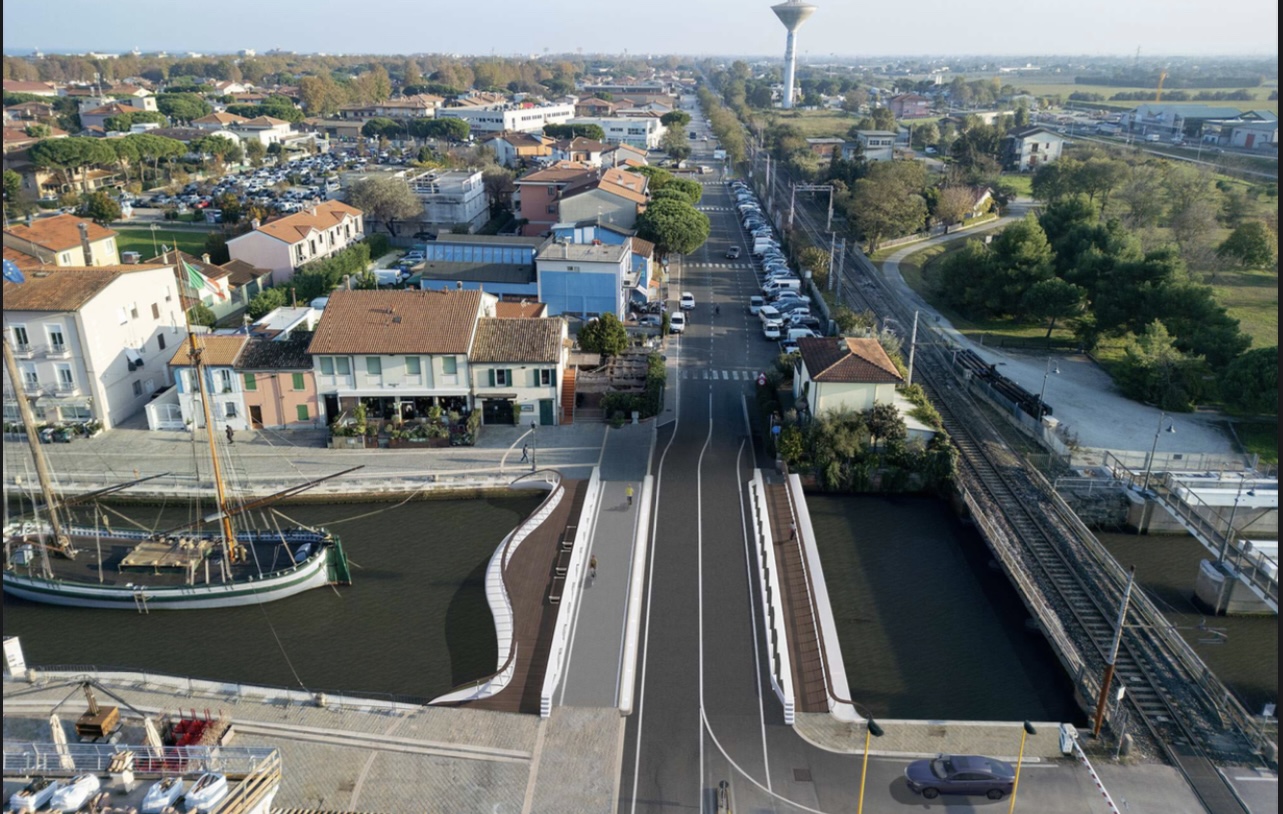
x,y
1252,297
140,240
1261,100
1260,437
1022,182
818,123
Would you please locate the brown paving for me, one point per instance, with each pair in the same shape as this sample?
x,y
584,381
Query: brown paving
x,y
529,576
803,641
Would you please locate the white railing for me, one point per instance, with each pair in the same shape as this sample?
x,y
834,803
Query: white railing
x,y
570,597
26,758
772,599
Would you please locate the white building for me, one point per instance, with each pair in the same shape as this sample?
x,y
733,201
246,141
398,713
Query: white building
x,y
644,133
517,367
264,128
285,244
64,240
499,119
223,385
92,343
450,198
877,145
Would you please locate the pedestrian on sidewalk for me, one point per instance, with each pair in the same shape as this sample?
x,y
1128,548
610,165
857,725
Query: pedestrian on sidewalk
x,y
592,566
792,531
525,454
230,434
629,493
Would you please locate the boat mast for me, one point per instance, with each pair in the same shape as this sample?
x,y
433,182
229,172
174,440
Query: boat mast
x,y
229,536
61,542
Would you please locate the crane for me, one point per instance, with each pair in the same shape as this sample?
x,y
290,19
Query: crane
x,y
1158,94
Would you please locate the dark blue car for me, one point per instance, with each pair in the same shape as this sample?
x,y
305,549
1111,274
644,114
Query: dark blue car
x,y
960,774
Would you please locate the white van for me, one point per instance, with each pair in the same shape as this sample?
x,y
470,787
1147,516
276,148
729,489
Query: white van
x,y
799,333
755,304
781,284
771,331
767,314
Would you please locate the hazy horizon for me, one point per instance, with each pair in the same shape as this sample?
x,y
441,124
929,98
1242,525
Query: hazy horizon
x,y
838,29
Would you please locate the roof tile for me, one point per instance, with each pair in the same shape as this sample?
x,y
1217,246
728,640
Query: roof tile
x,y
517,340
396,322
848,359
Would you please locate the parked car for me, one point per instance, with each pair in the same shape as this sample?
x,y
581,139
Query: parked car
x,y
733,253
960,774
650,320
687,301
788,346
677,323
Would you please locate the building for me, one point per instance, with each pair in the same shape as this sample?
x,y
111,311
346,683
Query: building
x,y
285,244
278,382
595,107
399,353
585,280
200,281
643,284
579,149
825,147
627,88
98,116
450,198
34,88
537,194
1174,121
909,106
92,342
64,240
516,367
418,106
1250,134
615,197
519,149
624,155
218,121
509,117
266,129
49,182
643,133
1026,150
499,264
223,386
876,145
844,373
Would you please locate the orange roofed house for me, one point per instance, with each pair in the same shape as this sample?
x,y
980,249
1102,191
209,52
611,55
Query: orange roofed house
x,y
284,244
60,241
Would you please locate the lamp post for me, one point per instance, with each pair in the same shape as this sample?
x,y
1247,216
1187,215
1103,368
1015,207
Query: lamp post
x,y
534,445
1050,369
875,731
1149,467
1229,529
1015,783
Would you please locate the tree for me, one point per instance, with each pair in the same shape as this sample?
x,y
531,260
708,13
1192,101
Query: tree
x,y
183,107
124,121
673,227
230,205
953,204
1054,299
605,335
201,314
883,119
1252,244
675,118
99,207
855,99
1155,371
1251,382
691,191
216,247
385,199
925,135
255,151
265,302
73,157
17,202
816,261
888,201
675,144
381,127
569,131
499,185
222,149
884,423
453,130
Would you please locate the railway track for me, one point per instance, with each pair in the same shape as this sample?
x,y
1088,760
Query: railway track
x,y
1173,708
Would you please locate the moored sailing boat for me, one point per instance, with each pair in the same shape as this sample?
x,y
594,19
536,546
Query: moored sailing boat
x,y
181,568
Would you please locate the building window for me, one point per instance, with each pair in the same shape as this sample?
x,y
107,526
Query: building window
x,y
545,377
225,380
302,413
297,381
229,409
373,366
327,366
122,315
133,310
66,380
342,366
66,258
449,365
155,310
138,388
251,382
412,367
169,294
501,378
160,341
57,343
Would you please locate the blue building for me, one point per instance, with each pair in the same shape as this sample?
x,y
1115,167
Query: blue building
x,y
585,279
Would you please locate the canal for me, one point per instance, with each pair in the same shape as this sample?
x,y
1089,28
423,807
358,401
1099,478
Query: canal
x,y
414,622
930,627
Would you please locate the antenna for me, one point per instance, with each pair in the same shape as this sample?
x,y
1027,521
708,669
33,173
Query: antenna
x,y
792,13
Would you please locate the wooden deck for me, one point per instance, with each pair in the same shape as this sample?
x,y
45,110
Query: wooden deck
x,y
803,640
530,575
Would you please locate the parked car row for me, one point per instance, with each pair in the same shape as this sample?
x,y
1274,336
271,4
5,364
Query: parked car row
x,y
313,177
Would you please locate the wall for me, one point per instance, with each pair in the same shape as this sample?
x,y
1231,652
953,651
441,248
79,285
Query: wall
x,y
590,291
274,393
529,393
603,206
264,252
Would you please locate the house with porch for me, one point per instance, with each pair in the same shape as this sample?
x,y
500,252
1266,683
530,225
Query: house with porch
x,y
516,367
399,353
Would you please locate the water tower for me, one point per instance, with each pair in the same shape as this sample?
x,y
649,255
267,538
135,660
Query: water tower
x,y
792,13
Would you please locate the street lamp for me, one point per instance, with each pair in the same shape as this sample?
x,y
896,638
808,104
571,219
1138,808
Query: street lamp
x,y
534,445
871,730
1015,783
1229,530
1050,369
1149,467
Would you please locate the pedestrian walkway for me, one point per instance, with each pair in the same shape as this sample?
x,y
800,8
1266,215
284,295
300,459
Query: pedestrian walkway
x,y
595,658
719,265
732,374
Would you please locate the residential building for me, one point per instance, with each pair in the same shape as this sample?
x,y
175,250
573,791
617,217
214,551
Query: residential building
x,y
1174,120
34,88
278,382
584,280
1028,149
450,198
246,281
909,106
64,240
227,87
285,244
518,149
49,182
218,121
98,116
499,264
281,322
418,106
223,386
92,342
17,138
537,194
266,129
616,197
643,283
399,353
509,117
844,373
520,309
875,145
579,149
624,155
595,107
516,367
28,112
200,281
643,133
825,147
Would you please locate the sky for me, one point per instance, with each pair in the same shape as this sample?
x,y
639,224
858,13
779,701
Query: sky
x,y
508,27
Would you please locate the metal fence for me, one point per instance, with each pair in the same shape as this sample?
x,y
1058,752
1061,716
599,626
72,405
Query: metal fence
x,y
26,758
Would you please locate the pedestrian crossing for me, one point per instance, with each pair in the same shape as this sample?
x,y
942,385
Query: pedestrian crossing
x,y
719,265
703,208
731,375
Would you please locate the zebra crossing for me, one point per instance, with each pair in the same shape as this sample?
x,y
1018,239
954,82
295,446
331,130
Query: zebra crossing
x,y
732,375
719,265
703,208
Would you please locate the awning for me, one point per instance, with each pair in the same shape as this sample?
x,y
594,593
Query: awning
x,y
133,356
499,397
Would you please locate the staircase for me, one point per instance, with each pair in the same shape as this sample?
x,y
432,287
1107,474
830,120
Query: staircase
x,y
568,396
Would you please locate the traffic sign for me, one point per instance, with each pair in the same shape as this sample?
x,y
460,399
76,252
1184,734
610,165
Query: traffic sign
x,y
761,380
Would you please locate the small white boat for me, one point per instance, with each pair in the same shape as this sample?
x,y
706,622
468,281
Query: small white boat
x,y
162,794
76,793
207,792
33,795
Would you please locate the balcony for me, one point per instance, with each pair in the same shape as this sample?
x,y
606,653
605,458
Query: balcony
x,y
24,350
59,350
66,389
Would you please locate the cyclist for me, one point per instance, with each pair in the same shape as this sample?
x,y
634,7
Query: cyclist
x,y
592,566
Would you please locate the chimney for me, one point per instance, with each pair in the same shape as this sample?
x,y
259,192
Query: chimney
x,y
84,243
205,259
255,223
458,285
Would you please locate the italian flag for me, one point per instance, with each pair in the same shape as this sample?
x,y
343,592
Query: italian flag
x,y
200,282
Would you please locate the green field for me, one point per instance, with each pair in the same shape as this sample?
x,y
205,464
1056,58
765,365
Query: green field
x,y
1261,438
1041,86
1252,297
817,123
141,241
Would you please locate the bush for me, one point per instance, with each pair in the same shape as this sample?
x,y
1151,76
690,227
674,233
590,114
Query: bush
x,y
379,245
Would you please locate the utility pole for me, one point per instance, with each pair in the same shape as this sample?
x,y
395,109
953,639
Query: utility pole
x,y
1103,697
833,242
913,345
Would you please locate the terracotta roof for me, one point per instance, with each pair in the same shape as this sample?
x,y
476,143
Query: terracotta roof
x,y
217,351
20,258
18,86
267,354
557,175
222,117
581,144
262,121
210,270
517,340
59,233
520,310
395,322
62,289
241,273
643,247
113,109
847,359
294,228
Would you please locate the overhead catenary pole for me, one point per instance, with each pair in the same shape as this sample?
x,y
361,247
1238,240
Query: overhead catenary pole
x,y
913,345
1103,697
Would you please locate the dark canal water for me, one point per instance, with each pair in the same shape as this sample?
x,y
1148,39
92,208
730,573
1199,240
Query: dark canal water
x,y
928,629
414,622
1243,651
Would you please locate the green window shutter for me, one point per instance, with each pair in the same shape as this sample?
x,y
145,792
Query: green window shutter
x,y
302,412
491,372
251,383
534,377
298,381
508,377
